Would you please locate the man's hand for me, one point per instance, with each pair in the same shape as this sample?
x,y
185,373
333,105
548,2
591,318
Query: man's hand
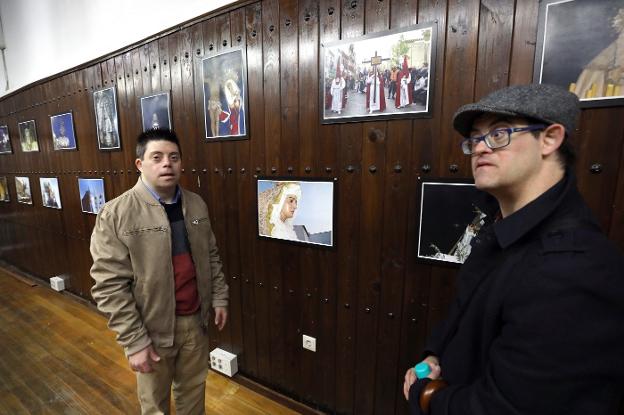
x,y
142,361
220,317
410,375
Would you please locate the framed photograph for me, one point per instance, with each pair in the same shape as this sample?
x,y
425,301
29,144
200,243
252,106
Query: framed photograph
x,y
63,135
156,111
22,188
92,196
4,190
451,214
383,75
50,194
579,46
5,140
28,136
225,95
106,119
297,210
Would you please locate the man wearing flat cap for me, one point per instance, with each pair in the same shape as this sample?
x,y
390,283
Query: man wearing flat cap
x,y
538,323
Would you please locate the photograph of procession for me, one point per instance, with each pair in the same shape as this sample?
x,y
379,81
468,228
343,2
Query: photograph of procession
x,y
382,75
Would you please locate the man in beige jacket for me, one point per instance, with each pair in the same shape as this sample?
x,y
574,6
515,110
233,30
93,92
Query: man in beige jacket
x,y
157,275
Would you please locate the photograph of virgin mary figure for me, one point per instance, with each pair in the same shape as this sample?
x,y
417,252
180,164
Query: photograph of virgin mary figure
x,y
295,210
106,120
63,136
225,95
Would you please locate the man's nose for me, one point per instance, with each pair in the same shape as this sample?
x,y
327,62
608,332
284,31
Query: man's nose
x,y
481,148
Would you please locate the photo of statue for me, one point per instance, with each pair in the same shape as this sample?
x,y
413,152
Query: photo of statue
x,y
92,196
299,211
106,120
63,136
22,188
4,190
50,193
451,216
156,111
225,95
581,48
5,141
28,136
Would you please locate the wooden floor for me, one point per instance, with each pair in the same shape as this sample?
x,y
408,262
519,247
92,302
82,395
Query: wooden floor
x,y
58,357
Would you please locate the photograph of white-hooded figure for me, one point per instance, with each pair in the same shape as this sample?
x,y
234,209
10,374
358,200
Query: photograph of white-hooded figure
x,y
296,210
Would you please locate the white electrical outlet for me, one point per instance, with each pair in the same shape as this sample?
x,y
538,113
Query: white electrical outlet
x,y
309,343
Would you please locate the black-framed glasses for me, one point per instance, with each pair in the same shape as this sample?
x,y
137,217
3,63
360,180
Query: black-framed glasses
x,y
497,138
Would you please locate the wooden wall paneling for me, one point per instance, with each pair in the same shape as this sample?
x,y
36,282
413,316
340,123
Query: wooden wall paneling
x,y
459,75
115,158
350,161
104,158
154,65
146,79
186,125
229,202
403,13
124,162
177,113
523,44
139,91
616,230
374,142
194,142
395,214
235,157
272,272
251,251
496,21
599,142
164,63
374,139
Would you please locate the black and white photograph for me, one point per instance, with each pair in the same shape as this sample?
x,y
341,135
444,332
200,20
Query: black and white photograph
x,y
63,135
156,111
579,47
5,140
225,95
92,196
451,215
294,210
23,190
106,119
4,190
50,193
379,76
28,136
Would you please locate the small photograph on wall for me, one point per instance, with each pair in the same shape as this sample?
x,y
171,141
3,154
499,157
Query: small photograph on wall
x,y
50,193
383,75
579,47
28,136
63,135
156,111
22,188
5,141
451,215
92,196
294,210
225,95
4,190
106,120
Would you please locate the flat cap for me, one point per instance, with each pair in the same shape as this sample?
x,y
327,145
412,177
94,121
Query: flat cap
x,y
550,104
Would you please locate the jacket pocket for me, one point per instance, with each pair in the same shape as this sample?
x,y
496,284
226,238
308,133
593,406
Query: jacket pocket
x,y
141,231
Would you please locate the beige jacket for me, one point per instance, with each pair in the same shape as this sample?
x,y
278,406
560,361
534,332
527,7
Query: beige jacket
x,y
133,269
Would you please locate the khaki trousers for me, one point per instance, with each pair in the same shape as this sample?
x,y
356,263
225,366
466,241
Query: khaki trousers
x,y
183,366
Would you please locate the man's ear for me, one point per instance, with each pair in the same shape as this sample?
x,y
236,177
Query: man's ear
x,y
138,163
552,138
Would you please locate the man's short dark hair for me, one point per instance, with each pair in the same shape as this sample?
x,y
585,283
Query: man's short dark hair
x,y
155,134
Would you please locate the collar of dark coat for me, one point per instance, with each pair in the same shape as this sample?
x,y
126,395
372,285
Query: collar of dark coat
x,y
520,223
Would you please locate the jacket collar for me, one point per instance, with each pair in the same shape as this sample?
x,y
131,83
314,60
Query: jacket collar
x,y
149,196
515,226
